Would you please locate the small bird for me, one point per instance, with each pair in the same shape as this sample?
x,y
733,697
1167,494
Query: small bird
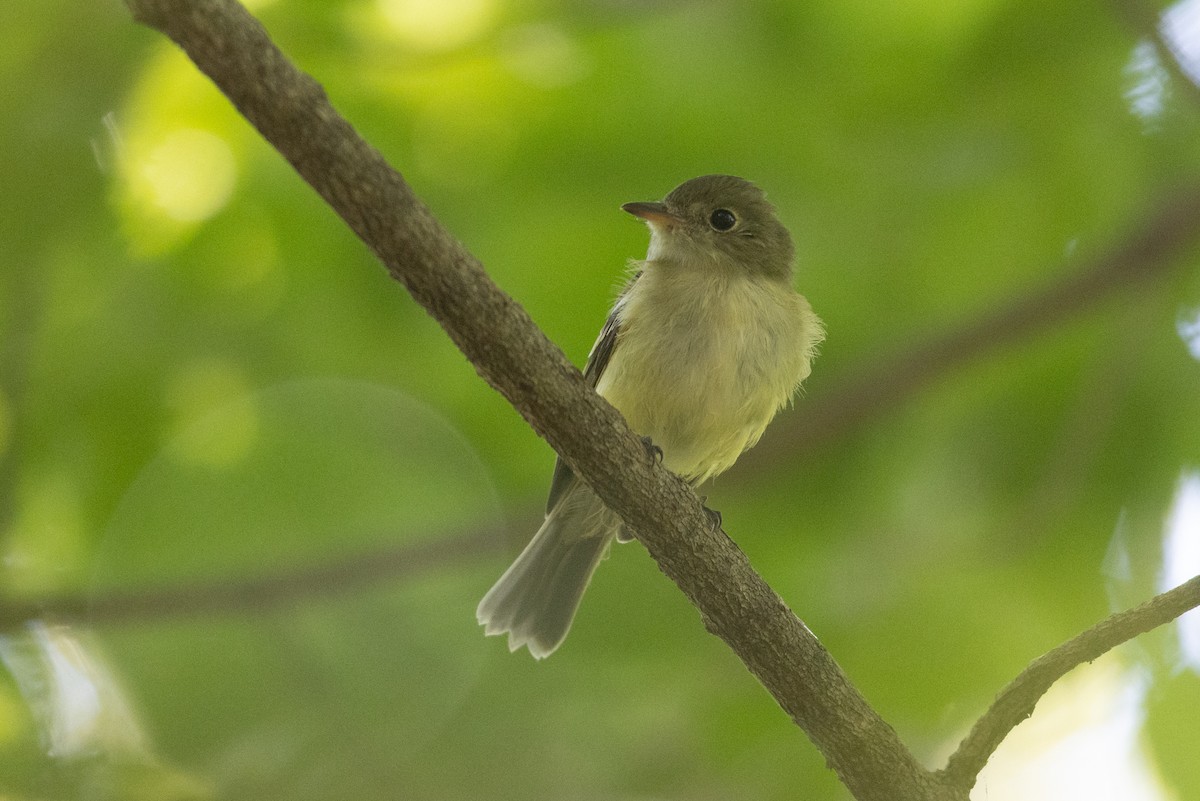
x,y
706,342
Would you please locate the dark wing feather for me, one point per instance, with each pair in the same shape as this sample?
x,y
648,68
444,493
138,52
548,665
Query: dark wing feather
x,y
598,359
602,351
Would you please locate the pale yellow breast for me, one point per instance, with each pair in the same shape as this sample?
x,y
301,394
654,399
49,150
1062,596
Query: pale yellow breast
x,y
705,360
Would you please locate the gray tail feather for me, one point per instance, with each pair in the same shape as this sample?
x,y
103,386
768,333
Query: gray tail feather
x,y
536,598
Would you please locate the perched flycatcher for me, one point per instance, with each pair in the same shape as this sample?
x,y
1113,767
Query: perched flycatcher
x,y
707,341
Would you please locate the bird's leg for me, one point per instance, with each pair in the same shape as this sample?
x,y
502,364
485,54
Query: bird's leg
x,y
655,452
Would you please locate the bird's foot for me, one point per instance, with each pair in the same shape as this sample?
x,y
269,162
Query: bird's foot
x,y
655,452
714,516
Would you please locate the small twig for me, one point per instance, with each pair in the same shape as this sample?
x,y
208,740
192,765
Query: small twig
x,y
1016,701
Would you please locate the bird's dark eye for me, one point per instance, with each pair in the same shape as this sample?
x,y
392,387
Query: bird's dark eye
x,y
722,219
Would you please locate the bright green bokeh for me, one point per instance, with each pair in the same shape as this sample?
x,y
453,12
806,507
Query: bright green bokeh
x,y
205,377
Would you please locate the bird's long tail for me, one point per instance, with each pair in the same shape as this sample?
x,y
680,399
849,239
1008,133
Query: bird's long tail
x,y
536,598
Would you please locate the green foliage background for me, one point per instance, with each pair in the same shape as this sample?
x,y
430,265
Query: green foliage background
x,y
205,377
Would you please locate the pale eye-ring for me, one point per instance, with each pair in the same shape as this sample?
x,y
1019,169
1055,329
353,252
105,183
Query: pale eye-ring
x,y
722,219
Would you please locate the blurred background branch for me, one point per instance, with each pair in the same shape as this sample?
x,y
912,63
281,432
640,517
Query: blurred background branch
x,y
1146,255
282,586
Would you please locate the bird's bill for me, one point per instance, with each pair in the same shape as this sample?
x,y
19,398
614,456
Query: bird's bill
x,y
655,213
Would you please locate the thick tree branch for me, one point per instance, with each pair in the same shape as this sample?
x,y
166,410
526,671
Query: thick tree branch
x,y
1016,701
292,112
